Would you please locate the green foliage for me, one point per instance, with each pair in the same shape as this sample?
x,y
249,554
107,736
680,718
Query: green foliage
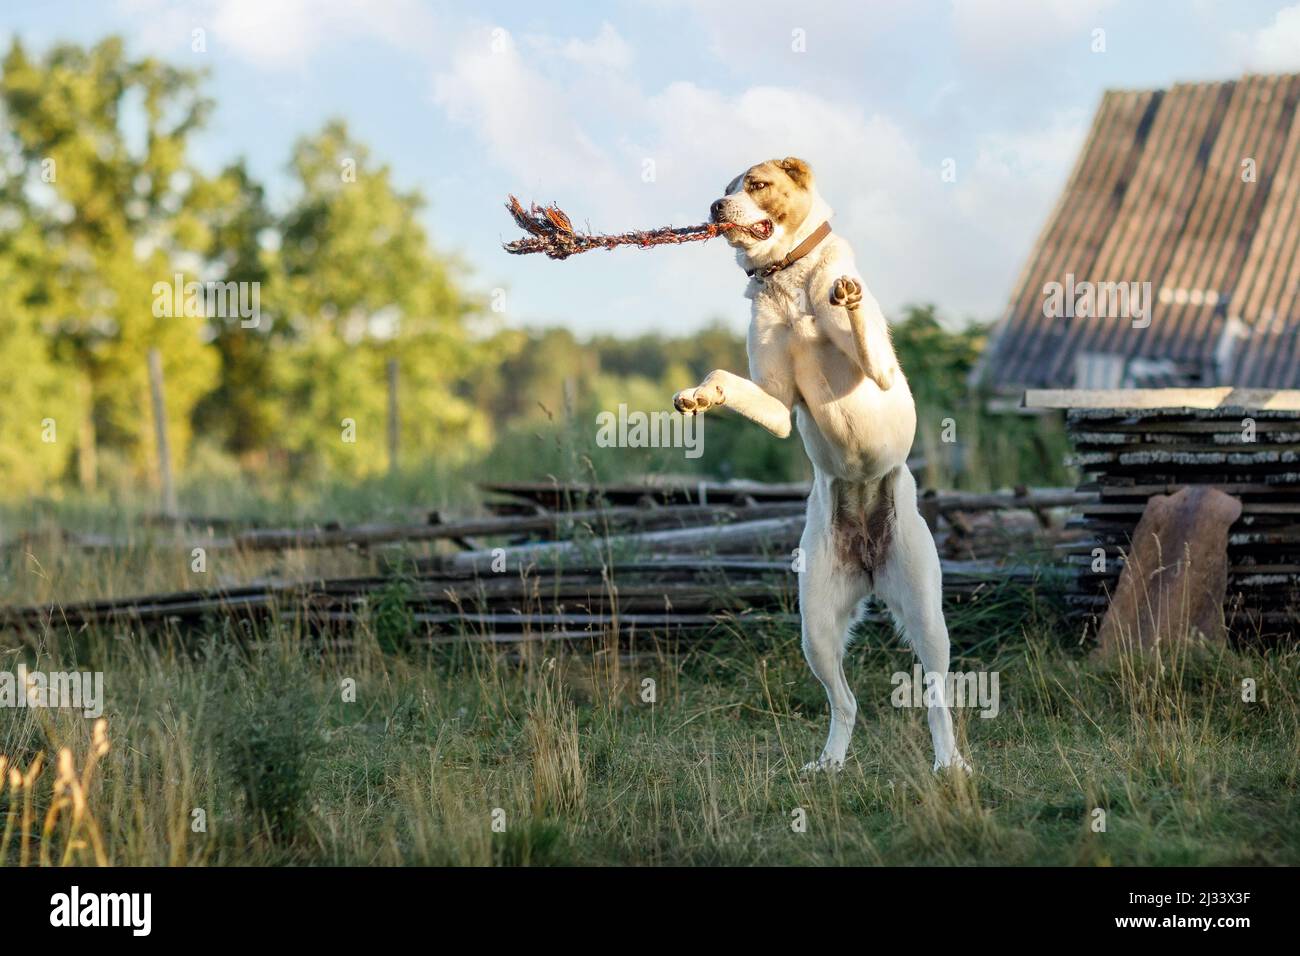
x,y
359,286
392,620
267,737
97,219
560,384
40,411
962,445
113,218
936,361
232,212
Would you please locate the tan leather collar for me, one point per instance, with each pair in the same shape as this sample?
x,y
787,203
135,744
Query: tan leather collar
x,y
794,255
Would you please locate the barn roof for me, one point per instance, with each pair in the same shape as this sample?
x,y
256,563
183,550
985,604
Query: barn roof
x,y
1194,190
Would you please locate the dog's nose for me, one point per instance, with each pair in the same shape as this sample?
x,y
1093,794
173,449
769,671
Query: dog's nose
x,y
715,211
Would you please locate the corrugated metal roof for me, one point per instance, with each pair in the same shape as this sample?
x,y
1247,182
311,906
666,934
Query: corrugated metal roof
x,y
1192,195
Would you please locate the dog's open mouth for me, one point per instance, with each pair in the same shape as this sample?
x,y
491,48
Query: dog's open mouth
x,y
761,229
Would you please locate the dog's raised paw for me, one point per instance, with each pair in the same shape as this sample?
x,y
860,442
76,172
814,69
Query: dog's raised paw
x,y
692,401
847,292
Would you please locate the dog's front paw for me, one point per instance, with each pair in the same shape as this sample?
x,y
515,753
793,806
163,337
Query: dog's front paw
x,y
692,401
847,292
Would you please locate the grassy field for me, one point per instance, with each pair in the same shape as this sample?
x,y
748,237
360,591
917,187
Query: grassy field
x,y
230,750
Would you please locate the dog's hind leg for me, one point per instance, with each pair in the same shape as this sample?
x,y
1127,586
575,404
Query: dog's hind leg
x,y
911,585
829,593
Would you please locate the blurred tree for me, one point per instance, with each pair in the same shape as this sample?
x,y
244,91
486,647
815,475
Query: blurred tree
x,y
714,346
94,151
41,409
540,373
358,284
235,226
936,361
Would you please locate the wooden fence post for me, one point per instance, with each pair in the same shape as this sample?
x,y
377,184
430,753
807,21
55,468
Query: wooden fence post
x,y
160,428
394,418
87,464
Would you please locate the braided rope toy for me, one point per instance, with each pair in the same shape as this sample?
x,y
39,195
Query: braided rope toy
x,y
550,231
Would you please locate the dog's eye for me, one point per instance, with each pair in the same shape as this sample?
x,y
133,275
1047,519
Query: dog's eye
x,y
757,186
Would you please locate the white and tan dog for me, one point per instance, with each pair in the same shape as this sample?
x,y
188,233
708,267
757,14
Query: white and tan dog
x,y
819,345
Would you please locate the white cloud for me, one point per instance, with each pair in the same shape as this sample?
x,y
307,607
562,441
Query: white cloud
x,y
279,34
1037,157
759,33
607,50
990,31
1001,204
1274,48
527,124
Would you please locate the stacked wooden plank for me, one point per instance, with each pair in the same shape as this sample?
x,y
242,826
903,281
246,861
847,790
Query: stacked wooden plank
x,y
533,522
571,601
1131,445
516,496
968,525
449,604
551,524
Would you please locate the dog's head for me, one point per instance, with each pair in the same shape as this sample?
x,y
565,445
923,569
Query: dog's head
x,y
774,204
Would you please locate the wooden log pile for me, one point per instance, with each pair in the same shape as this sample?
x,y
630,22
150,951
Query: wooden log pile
x,y
449,604
665,597
568,561
513,497
967,525
549,524
1135,444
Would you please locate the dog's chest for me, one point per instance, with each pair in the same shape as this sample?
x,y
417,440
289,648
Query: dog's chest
x,y
782,305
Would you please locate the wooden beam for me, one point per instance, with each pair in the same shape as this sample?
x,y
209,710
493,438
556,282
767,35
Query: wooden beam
x,y
1165,398
156,392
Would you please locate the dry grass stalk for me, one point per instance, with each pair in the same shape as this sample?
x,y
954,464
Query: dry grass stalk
x,y
70,800
551,232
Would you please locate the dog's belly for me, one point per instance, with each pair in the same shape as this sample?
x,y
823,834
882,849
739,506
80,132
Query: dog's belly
x,y
850,428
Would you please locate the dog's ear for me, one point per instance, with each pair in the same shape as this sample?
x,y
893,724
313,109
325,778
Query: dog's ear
x,y
797,170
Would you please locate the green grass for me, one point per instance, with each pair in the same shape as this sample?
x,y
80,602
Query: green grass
x,y
558,746
580,769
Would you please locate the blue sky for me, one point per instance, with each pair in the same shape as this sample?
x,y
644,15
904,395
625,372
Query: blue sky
x,y
574,102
